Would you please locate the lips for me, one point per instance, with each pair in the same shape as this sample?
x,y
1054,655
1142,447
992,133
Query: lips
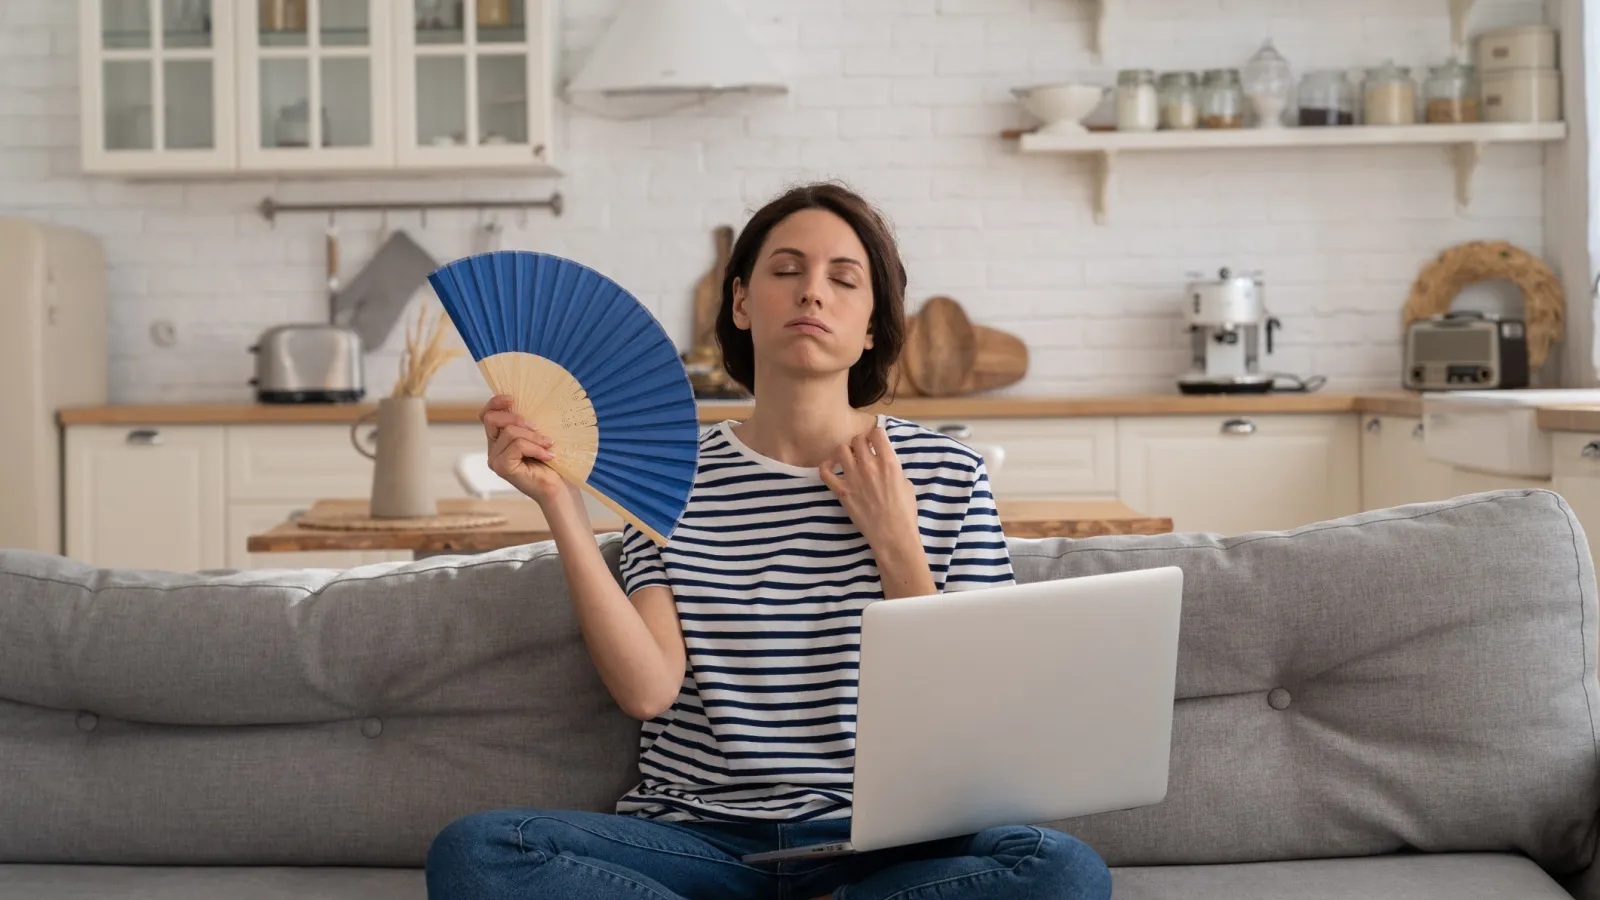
x,y
808,325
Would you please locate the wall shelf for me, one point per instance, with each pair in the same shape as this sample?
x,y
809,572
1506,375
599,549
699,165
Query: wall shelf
x,y
1465,144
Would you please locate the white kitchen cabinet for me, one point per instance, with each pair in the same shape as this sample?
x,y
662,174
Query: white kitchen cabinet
x,y
1576,467
340,63
1047,458
1234,474
149,498
337,86
1469,481
474,92
156,85
1395,467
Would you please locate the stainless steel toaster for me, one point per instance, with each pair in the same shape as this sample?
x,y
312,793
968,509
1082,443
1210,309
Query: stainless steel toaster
x,y
308,363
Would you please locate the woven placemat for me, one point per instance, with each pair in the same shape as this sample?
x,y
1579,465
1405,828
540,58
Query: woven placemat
x,y
362,522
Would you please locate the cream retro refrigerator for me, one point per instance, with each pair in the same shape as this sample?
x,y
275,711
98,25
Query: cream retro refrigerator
x,y
52,355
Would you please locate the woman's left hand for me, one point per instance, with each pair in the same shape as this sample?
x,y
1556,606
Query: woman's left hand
x,y
874,490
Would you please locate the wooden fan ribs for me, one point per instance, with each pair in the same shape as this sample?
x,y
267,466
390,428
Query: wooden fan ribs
x,y
561,340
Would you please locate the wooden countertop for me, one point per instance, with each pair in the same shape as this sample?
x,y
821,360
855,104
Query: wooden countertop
x,y
525,524
1569,418
921,409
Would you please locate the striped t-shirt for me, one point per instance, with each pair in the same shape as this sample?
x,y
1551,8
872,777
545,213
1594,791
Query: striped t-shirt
x,y
770,577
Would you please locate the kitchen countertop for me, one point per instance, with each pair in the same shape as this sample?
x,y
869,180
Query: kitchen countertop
x,y
1569,418
919,408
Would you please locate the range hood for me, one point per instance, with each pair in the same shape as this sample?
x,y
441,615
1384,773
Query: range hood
x,y
660,55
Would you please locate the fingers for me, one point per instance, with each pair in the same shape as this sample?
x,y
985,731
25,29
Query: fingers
x,y
878,440
516,443
834,482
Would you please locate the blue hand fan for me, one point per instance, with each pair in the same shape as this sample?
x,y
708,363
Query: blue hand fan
x,y
588,366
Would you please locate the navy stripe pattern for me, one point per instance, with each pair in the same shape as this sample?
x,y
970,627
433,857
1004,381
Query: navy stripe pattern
x,y
770,577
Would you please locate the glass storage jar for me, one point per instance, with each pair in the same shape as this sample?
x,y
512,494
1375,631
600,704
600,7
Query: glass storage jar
x,y
1390,96
1267,81
1327,98
1180,102
1137,105
1451,94
1221,99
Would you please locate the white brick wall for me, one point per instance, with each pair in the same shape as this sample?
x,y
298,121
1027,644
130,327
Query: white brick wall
x,y
903,99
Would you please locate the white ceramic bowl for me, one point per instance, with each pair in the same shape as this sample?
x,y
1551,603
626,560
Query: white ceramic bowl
x,y
1063,107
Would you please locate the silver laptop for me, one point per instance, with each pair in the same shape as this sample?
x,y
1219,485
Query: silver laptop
x,y
1010,706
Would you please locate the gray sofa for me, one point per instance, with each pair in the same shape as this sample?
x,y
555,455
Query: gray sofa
x,y
1397,704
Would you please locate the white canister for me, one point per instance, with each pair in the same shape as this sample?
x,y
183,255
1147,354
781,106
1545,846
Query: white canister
x,y
1522,95
1523,47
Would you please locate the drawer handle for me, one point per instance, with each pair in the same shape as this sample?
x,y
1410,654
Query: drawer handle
x,y
144,437
1239,426
959,432
1591,450
1374,425
1418,431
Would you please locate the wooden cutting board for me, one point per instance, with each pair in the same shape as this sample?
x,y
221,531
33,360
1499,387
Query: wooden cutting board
x,y
940,348
708,290
1002,359
928,369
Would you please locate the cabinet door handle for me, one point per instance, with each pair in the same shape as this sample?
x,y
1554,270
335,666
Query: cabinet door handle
x,y
1374,425
144,437
1239,426
1591,450
957,431
1418,431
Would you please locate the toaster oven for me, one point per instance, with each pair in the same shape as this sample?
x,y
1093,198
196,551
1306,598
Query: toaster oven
x,y
1466,351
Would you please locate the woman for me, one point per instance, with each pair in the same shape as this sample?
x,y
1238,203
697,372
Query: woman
x,y
737,643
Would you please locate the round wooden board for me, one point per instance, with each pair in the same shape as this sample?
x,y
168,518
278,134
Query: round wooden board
x,y
941,349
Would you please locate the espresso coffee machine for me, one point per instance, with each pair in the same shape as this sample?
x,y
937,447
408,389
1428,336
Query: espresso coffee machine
x,y
1228,329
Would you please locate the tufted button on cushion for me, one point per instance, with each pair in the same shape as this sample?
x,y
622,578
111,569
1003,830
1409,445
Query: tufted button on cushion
x,y
371,727
87,721
1278,698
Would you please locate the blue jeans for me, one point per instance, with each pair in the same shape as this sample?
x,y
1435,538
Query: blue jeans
x,y
534,854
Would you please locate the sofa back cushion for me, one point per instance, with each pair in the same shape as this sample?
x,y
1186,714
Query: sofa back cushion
x,y
1419,678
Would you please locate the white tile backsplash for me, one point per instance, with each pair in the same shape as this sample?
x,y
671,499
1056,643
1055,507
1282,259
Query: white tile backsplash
x,y
903,99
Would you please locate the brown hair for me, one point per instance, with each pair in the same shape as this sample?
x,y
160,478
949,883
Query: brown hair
x,y
869,377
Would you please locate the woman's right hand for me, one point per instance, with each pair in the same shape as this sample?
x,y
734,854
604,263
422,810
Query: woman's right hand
x,y
519,453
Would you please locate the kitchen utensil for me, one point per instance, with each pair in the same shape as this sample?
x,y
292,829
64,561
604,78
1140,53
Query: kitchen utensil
x,y
1221,99
1267,81
1327,98
1466,350
1227,320
378,295
1450,95
283,15
1138,102
308,362
703,361
940,348
589,365
402,487
1389,95
1521,47
1522,95
1001,360
1180,101
1063,107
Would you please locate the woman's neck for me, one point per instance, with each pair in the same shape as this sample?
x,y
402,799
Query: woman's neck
x,y
802,423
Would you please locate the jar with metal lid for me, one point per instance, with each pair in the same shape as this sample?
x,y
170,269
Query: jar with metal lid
x,y
1221,99
1390,96
1327,98
1137,106
1451,94
1180,102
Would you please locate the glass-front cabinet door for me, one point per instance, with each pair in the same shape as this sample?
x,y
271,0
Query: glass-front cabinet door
x,y
157,85
314,84
474,83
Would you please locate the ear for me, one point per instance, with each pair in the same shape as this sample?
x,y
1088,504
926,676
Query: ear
x,y
741,318
868,345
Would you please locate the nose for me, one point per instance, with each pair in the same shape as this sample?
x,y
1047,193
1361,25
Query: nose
x,y
814,287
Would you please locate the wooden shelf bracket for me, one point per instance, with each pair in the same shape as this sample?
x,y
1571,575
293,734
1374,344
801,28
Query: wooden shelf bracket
x,y
1460,16
1466,157
1105,176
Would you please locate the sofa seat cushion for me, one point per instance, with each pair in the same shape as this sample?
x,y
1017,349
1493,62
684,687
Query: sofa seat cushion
x,y
1453,876
69,882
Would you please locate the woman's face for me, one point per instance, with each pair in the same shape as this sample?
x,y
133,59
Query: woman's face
x,y
808,306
